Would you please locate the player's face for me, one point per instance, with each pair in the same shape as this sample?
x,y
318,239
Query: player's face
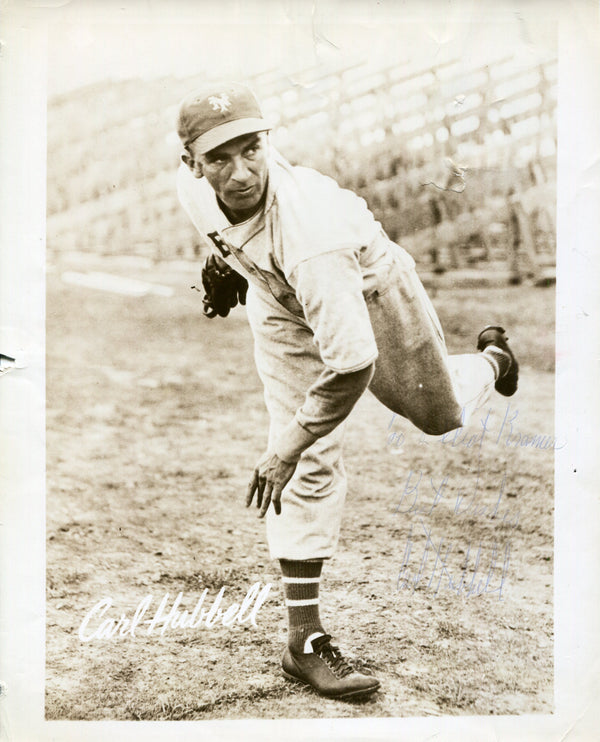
x,y
237,171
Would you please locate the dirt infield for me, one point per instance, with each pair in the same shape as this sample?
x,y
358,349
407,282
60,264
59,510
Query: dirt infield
x,y
442,584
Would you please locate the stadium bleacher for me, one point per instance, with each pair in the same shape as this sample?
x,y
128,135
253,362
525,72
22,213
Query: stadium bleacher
x,y
449,162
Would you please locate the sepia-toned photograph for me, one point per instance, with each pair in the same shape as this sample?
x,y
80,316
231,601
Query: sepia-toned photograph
x,y
300,354
298,370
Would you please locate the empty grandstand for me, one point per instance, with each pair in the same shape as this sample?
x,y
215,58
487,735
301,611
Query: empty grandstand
x,y
460,167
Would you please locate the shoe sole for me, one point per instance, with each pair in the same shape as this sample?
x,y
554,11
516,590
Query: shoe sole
x,y
354,695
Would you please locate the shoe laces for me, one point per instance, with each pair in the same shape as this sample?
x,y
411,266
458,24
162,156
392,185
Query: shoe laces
x,y
332,656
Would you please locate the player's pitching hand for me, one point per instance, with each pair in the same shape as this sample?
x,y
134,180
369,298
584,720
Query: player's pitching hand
x,y
268,481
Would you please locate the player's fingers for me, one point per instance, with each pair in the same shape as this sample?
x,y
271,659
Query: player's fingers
x,y
266,500
276,499
260,490
252,487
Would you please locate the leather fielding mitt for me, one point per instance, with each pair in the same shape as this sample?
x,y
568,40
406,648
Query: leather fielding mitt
x,y
223,287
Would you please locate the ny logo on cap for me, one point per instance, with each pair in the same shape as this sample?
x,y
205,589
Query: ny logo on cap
x,y
220,103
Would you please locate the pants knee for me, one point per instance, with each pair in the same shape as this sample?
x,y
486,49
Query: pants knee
x,y
438,422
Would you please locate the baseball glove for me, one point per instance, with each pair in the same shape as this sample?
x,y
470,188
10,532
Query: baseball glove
x,y
223,287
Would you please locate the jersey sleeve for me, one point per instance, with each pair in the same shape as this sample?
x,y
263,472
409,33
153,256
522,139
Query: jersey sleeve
x,y
185,196
329,288
315,216
328,402
190,198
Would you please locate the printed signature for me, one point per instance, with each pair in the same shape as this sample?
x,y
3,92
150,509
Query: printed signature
x,y
96,626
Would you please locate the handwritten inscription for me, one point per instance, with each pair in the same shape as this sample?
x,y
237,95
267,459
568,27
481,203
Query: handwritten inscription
x,y
437,569
422,495
476,573
475,560
506,435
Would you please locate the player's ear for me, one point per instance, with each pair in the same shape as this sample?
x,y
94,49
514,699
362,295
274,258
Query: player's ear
x,y
194,166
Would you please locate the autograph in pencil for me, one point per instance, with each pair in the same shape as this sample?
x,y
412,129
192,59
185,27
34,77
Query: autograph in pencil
x,y
435,573
507,435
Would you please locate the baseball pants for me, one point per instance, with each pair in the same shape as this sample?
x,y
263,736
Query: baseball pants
x,y
414,377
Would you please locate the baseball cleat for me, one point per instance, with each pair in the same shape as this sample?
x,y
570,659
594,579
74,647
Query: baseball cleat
x,y
326,671
506,384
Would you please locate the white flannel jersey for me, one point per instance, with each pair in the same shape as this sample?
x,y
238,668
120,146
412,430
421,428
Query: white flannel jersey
x,y
284,248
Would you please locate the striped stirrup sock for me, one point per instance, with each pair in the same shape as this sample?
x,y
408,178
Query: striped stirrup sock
x,y
301,591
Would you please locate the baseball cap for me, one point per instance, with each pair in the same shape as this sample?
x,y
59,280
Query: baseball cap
x,y
217,113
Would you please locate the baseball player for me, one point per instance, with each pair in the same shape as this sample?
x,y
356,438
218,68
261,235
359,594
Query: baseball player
x,y
335,308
